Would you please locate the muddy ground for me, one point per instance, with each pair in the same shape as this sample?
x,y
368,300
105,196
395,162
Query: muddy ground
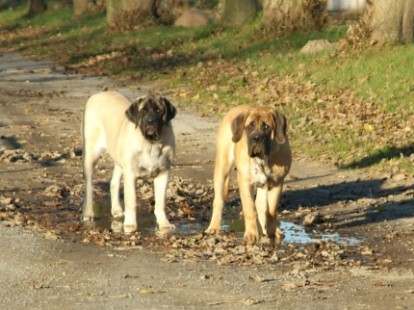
x,y
349,234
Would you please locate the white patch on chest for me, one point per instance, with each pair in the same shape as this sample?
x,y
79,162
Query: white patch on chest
x,y
151,161
258,171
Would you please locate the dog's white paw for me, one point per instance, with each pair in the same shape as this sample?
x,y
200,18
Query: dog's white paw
x,y
87,218
165,230
130,228
117,226
212,230
166,226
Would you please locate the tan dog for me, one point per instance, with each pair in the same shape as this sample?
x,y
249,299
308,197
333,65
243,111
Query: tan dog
x,y
254,140
139,137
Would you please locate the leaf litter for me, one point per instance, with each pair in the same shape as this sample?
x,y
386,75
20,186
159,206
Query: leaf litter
x,y
56,216
318,117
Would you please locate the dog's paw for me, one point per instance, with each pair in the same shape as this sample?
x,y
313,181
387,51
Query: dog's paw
x,y
117,226
165,230
130,228
166,226
87,218
251,238
212,230
279,236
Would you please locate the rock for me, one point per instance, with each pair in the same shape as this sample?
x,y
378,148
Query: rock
x,y
398,177
59,191
6,200
20,219
192,19
315,46
311,219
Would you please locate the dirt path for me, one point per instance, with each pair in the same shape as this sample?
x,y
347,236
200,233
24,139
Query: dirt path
x,y
49,261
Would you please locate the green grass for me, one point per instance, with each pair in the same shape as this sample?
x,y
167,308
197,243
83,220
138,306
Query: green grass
x,y
381,74
357,103
12,16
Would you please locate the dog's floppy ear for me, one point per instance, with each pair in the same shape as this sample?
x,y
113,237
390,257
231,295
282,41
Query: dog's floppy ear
x,y
280,127
237,127
132,113
171,110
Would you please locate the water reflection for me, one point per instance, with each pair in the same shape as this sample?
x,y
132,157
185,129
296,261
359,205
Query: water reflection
x,y
146,220
294,233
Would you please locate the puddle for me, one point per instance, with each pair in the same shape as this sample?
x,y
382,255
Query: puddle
x,y
294,233
146,220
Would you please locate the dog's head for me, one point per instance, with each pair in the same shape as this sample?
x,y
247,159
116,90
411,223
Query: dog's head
x,y
151,114
262,127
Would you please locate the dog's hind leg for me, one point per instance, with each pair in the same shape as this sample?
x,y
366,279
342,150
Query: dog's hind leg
x,y
116,208
92,148
89,159
226,188
221,184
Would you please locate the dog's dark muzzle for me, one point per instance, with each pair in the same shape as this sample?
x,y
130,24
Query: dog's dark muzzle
x,y
259,145
152,128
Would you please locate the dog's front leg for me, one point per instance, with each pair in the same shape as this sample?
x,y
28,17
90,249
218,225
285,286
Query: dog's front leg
x,y
130,220
160,193
251,234
273,230
262,207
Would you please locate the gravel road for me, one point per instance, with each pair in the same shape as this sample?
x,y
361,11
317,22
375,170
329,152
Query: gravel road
x,y
47,264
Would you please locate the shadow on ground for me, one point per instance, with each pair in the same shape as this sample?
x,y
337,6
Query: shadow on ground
x,y
359,202
387,153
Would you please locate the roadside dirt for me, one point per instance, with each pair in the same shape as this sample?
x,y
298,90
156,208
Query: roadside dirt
x,y
349,234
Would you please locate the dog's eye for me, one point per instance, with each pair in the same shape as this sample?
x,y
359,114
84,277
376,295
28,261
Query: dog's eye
x,y
265,126
250,126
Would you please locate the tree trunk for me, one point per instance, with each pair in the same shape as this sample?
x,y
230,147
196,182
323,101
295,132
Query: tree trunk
x,y
390,21
5,4
82,6
236,12
129,14
282,16
116,9
36,6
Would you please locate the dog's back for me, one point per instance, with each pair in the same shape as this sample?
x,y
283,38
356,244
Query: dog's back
x,y
103,111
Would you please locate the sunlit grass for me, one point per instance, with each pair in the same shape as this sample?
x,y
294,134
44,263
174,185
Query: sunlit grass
x,y
384,75
179,57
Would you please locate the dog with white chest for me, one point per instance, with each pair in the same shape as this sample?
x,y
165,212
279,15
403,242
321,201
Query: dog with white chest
x,y
139,137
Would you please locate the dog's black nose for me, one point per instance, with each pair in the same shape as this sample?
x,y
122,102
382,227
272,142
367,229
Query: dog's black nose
x,y
257,138
150,121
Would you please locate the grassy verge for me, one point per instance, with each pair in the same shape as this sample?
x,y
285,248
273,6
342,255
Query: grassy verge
x,y
352,108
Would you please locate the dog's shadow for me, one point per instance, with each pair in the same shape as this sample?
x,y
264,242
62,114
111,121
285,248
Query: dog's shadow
x,y
367,198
